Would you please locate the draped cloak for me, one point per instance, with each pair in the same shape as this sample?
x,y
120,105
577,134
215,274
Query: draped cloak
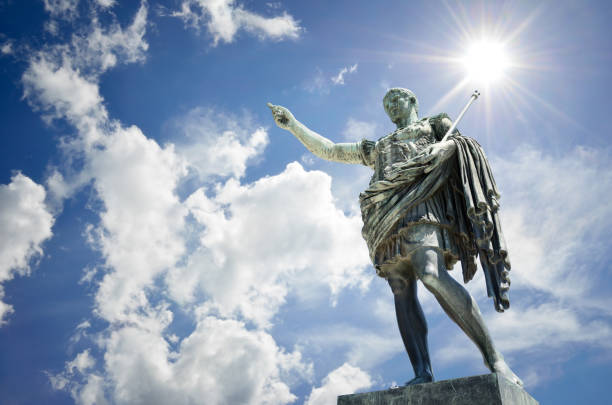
x,y
454,207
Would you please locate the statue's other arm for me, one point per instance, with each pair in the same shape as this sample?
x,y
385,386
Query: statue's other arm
x,y
442,150
315,143
440,124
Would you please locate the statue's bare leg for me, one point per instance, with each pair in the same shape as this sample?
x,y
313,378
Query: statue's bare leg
x,y
413,327
459,305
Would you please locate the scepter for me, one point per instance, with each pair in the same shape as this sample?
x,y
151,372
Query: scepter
x,y
475,95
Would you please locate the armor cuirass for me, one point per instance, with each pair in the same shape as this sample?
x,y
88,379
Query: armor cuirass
x,y
401,145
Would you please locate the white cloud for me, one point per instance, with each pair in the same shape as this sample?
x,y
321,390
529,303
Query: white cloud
x,y
275,28
217,144
106,3
60,91
52,27
274,4
140,233
7,48
245,264
61,8
339,78
344,380
220,362
551,213
92,393
248,262
224,18
81,363
102,48
545,326
89,390
321,83
5,309
63,81
25,223
356,130
233,353
307,159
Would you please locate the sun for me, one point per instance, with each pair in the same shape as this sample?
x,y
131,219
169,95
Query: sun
x,y
486,61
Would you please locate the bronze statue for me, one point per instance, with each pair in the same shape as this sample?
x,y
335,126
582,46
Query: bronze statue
x,y
431,202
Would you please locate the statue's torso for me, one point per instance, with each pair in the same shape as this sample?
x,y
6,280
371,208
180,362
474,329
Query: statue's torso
x,y
401,145
408,227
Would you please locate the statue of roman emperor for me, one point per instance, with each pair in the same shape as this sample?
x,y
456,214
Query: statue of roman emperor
x,y
429,204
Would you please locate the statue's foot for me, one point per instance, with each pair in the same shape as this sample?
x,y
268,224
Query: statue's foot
x,y
420,379
500,367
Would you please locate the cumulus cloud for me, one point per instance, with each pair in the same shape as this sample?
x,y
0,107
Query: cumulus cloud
x,y
248,263
344,380
220,362
232,353
339,78
143,230
60,91
220,258
224,18
62,81
25,223
217,144
142,220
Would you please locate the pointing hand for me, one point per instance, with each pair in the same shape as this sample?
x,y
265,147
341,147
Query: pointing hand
x,y
282,116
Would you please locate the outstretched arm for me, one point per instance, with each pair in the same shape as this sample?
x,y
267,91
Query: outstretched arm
x,y
317,144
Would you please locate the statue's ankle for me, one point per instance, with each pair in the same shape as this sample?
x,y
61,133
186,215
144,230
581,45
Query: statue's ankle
x,y
421,379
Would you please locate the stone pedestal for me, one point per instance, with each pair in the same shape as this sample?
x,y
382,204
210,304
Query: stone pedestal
x,y
488,389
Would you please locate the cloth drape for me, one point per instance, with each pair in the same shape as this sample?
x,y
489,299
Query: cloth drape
x,y
470,203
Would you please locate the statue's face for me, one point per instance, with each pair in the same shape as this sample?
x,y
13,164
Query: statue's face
x,y
398,105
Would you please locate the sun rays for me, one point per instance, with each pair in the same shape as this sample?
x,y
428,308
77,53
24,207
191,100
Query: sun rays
x,y
486,61
487,50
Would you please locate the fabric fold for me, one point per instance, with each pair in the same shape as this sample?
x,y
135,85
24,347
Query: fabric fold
x,y
463,191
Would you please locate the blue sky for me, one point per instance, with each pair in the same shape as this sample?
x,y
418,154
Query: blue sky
x,y
162,241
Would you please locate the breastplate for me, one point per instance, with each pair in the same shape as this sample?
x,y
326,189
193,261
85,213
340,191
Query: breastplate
x,y
402,145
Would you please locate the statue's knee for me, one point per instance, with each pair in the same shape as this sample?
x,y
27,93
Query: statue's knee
x,y
425,264
429,276
398,285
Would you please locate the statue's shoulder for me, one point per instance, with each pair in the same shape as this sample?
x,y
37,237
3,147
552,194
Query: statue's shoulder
x,y
367,151
440,123
439,119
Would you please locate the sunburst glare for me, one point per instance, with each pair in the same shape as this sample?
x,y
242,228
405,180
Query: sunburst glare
x,y
486,61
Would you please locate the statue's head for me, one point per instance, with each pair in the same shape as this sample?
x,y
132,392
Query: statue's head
x,y
399,103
